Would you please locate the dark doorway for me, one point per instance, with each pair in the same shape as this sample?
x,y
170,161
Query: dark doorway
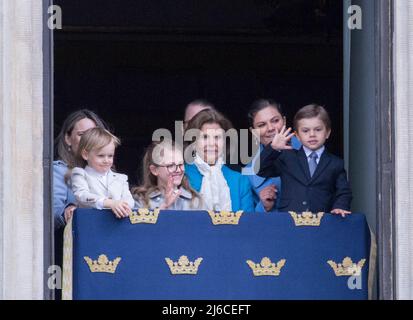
x,y
138,63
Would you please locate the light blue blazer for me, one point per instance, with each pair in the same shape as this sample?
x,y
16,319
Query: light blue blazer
x,y
62,193
258,183
239,186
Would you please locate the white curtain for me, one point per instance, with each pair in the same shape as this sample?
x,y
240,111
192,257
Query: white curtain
x,y
403,62
21,149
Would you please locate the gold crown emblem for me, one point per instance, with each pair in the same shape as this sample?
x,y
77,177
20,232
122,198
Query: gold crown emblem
x,y
307,218
347,267
144,215
183,265
225,217
266,267
102,264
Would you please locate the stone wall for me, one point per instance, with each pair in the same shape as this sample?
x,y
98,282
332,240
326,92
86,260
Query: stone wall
x,y
21,148
403,55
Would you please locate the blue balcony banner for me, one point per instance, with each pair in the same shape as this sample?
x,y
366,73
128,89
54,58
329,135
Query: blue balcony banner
x,y
184,256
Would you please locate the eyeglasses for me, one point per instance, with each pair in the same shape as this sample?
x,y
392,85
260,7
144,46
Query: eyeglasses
x,y
174,167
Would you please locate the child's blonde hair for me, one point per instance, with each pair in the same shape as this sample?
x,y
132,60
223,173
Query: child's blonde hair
x,y
94,139
150,181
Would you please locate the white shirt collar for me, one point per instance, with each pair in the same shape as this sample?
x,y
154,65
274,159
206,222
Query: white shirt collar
x,y
318,151
95,173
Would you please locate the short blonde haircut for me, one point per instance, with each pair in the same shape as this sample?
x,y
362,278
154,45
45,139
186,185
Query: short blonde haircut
x,y
94,139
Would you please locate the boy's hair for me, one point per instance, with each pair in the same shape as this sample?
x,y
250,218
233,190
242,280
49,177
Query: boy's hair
x,y
63,151
261,104
150,182
312,111
95,138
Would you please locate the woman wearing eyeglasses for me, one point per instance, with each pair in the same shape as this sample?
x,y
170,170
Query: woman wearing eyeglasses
x,y
165,185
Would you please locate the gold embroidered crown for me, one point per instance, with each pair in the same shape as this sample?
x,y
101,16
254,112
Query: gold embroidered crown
x,y
102,264
307,218
347,268
183,265
266,267
225,217
144,215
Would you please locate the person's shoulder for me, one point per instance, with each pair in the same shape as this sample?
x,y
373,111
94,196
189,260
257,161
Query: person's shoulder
x,y
332,155
79,171
185,194
230,171
334,158
59,165
232,174
120,176
291,152
190,168
189,165
295,143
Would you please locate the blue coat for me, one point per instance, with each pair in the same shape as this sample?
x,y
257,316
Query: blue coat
x,y
327,189
258,183
239,186
62,193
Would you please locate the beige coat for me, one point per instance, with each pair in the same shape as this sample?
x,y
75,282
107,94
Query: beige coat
x,y
89,187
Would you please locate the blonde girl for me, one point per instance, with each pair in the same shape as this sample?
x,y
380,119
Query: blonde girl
x,y
165,185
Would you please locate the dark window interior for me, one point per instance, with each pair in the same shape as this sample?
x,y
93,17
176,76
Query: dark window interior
x,y
138,63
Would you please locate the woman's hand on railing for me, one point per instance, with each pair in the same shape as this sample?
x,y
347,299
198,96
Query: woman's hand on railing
x,y
268,195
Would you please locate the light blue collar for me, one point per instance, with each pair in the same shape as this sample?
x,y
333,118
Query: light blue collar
x,y
318,151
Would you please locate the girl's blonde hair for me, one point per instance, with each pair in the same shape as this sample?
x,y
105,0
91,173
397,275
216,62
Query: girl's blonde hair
x,y
150,181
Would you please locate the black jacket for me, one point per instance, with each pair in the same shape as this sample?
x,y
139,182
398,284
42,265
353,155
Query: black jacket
x,y
328,189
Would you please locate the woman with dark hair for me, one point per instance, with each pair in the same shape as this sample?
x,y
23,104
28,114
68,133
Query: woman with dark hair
x,y
266,118
67,143
194,107
221,188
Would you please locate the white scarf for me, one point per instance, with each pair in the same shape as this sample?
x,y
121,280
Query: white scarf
x,y
214,190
